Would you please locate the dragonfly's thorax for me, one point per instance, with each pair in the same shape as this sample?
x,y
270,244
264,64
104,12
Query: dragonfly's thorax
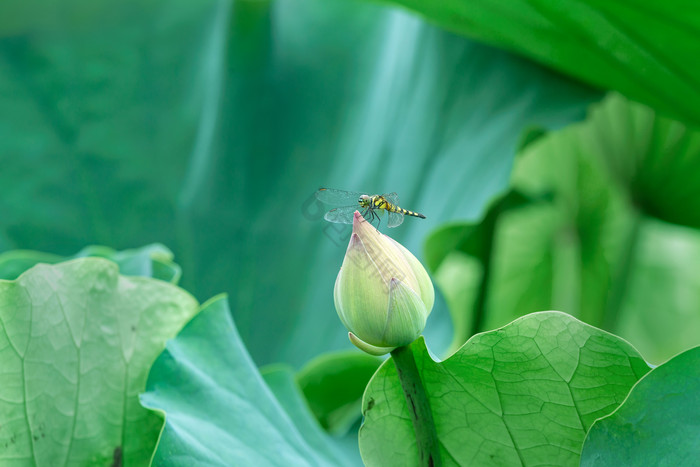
x,y
379,202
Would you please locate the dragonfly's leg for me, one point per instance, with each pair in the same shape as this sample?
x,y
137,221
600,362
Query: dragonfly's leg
x,y
368,215
378,219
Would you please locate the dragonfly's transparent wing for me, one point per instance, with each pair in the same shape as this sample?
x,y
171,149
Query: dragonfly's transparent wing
x,y
342,215
395,219
338,197
393,198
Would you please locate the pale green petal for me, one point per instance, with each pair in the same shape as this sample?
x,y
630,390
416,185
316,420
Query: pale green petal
x,y
361,293
426,289
406,317
338,300
369,348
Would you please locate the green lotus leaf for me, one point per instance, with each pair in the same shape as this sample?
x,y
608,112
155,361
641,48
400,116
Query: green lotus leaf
x,y
76,343
642,50
218,409
150,261
525,394
658,422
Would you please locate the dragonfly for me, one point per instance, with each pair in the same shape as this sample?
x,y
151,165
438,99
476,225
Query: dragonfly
x,y
348,202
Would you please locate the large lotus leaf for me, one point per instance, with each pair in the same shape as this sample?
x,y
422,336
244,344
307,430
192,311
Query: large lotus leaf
x,y
587,242
208,125
76,343
149,261
658,424
644,50
525,394
218,409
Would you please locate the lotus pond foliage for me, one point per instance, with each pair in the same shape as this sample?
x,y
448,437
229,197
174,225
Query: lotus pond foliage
x,y
170,292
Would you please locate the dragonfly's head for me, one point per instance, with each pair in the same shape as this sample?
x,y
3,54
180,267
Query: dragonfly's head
x,y
364,200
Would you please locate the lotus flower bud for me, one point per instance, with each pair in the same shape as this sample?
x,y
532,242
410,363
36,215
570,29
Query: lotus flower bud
x,y
383,295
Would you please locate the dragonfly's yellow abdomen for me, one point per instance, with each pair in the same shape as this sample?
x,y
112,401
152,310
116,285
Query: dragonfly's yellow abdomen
x,y
378,202
406,211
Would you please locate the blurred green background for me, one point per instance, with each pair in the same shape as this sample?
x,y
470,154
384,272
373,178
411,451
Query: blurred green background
x,y
207,126
553,147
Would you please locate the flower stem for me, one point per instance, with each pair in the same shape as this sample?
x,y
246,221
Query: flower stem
x,y
418,406
623,276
